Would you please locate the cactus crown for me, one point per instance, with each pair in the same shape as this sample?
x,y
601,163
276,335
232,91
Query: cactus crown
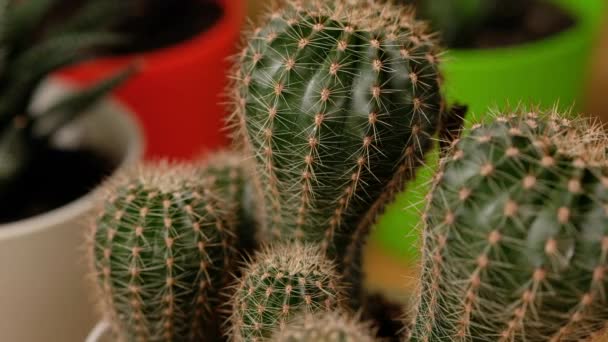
x,y
28,57
326,327
162,248
282,282
516,244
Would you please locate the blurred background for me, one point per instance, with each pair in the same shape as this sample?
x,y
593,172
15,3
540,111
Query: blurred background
x,y
392,272
165,63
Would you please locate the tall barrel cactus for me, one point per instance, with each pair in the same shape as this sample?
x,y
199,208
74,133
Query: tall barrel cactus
x,y
516,243
163,247
282,282
339,102
327,327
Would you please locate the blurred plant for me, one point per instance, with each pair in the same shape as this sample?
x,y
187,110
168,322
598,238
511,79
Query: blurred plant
x,y
29,52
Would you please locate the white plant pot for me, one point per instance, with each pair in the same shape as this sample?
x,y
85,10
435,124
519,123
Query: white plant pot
x,y
44,295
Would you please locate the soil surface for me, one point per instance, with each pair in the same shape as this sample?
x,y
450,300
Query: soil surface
x,y
149,24
541,19
56,178
161,23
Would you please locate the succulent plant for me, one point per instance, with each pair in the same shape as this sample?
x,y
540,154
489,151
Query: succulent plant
x,y
281,283
516,242
327,327
29,52
229,171
339,103
163,247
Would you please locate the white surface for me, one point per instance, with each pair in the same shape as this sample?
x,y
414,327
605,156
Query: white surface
x,y
43,292
101,329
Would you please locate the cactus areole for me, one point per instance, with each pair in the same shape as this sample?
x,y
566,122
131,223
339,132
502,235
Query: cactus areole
x,y
516,243
338,103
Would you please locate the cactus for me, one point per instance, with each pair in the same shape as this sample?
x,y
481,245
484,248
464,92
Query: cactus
x,y
282,282
228,172
328,327
162,248
338,103
516,243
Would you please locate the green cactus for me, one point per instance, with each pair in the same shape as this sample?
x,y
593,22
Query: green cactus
x,y
327,327
229,173
516,243
339,103
29,52
282,282
162,249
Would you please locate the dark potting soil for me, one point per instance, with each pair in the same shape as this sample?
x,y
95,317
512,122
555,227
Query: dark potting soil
x,y
150,24
161,23
56,178
539,20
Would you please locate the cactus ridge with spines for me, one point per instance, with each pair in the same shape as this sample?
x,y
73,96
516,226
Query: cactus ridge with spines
x,y
281,282
338,103
162,248
516,242
326,327
229,172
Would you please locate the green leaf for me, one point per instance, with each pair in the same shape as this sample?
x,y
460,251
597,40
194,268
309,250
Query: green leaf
x,y
67,109
39,61
95,15
22,21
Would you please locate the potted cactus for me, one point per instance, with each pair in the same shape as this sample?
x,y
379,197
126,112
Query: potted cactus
x,y
182,70
330,126
500,53
55,147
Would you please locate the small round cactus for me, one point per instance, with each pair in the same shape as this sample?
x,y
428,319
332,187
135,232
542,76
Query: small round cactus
x,y
327,327
282,282
162,248
516,243
339,102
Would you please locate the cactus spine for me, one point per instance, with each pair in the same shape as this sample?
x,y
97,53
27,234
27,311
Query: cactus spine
x,y
163,246
516,243
281,283
228,172
338,103
327,327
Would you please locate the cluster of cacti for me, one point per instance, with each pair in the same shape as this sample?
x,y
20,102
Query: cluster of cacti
x,y
516,243
328,327
336,106
28,57
282,282
339,103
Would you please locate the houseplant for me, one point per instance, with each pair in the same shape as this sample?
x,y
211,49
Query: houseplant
x,y
176,80
52,154
498,76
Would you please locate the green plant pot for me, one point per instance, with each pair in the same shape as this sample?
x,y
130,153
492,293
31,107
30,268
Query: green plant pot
x,y
544,73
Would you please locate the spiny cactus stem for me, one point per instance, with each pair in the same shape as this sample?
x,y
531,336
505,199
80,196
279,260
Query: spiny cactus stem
x,y
587,298
404,173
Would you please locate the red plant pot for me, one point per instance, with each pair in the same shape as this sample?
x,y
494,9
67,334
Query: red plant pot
x,y
177,94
